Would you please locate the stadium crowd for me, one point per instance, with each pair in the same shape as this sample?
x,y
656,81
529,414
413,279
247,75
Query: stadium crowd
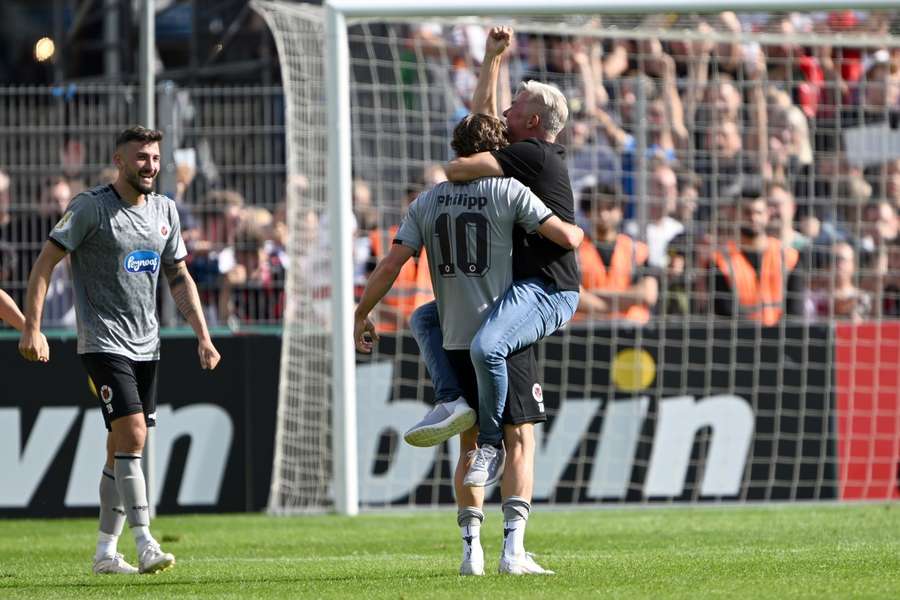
x,y
714,175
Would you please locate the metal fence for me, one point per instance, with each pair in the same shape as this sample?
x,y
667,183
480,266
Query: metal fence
x,y
224,164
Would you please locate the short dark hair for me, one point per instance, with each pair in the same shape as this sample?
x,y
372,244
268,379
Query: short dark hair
x,y
593,194
138,133
479,133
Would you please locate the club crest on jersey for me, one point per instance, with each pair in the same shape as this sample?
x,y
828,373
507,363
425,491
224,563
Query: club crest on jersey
x,y
164,230
106,394
537,393
142,261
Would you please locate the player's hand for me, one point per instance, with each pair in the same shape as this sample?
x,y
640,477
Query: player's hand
x,y
209,356
364,334
33,346
498,40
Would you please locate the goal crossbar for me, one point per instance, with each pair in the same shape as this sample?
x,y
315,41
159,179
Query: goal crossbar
x,y
451,8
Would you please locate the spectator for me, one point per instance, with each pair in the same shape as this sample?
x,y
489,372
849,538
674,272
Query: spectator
x,y
782,210
52,204
614,283
789,66
366,215
685,252
212,260
412,288
662,202
836,295
756,277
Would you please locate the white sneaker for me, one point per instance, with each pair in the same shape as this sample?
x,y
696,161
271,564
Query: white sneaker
x,y
522,564
153,560
441,423
109,565
472,567
473,559
486,468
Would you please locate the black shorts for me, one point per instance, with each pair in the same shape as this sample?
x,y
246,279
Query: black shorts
x,y
123,386
524,397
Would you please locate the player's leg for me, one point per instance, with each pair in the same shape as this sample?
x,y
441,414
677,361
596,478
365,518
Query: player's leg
x,y
451,413
525,407
107,385
529,311
151,557
470,503
112,519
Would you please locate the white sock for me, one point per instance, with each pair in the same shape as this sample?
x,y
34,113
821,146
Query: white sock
x,y
142,536
471,542
514,537
106,545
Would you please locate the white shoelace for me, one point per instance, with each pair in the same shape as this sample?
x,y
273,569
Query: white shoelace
x,y
482,458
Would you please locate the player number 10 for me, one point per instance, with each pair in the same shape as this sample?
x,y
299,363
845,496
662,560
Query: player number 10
x,y
472,243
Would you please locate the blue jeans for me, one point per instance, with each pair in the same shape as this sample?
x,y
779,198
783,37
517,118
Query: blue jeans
x,y
530,310
426,328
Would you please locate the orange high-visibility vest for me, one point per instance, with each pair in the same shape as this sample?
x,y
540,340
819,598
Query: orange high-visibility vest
x,y
760,297
412,288
595,276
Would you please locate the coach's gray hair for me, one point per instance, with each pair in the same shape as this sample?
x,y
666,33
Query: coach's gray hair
x,y
549,102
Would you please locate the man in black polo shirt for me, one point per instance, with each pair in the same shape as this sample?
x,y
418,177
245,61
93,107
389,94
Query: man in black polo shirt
x,y
542,299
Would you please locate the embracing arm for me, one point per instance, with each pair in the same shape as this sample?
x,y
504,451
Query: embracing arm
x,y
472,167
187,299
561,233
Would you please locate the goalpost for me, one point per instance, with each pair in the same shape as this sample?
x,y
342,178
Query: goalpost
x,y
316,455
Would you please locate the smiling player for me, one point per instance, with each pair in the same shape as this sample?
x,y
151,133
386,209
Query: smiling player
x,y
120,235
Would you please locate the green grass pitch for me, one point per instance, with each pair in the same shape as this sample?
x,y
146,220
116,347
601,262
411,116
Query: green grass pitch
x,y
805,551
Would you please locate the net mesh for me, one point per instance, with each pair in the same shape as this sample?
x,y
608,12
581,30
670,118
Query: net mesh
x,y
691,396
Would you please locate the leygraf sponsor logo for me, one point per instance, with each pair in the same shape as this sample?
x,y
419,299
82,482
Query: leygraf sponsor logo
x,y
142,261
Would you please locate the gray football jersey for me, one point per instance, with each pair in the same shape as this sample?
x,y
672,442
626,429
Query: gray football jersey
x,y
467,231
117,251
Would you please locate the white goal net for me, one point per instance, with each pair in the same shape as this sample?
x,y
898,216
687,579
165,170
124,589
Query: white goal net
x,y
683,394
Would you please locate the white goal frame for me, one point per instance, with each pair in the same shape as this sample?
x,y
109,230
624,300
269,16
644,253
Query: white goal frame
x,y
337,90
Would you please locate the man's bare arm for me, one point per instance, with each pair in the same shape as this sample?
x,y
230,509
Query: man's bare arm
x,y
379,284
484,100
187,299
472,167
561,233
32,344
10,313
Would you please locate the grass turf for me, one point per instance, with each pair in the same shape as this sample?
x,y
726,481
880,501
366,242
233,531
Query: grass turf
x,y
808,551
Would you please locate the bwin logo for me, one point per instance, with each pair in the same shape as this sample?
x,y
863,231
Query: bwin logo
x,y
139,261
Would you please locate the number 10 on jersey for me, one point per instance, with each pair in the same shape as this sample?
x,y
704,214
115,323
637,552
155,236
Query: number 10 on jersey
x,y
472,241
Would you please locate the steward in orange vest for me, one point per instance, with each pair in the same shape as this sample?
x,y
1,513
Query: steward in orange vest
x,y
412,287
758,278
613,286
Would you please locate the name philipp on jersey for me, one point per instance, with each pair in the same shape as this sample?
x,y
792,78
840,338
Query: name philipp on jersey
x,y
142,261
462,199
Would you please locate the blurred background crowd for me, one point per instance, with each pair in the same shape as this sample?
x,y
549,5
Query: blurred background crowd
x,y
714,159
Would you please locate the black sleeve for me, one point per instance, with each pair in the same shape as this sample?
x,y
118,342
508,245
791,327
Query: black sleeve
x,y
723,297
523,161
796,293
